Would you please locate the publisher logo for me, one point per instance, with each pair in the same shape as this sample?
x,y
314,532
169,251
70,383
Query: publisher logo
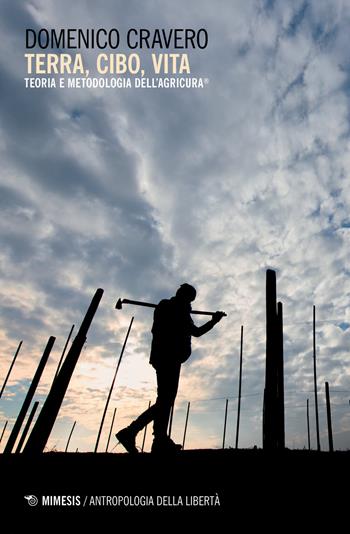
x,y
32,500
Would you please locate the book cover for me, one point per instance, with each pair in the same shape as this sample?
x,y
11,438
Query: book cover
x,y
174,252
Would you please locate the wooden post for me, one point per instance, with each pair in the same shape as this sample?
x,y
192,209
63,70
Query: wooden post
x,y
185,431
308,425
225,421
26,428
26,403
273,409
110,430
64,351
329,419
145,431
239,388
9,371
280,379
315,380
70,435
47,417
171,421
112,385
269,418
3,431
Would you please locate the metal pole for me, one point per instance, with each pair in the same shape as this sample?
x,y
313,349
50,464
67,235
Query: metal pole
x,y
184,438
110,430
9,371
171,421
26,428
308,424
26,403
145,431
70,435
239,388
64,351
224,436
112,385
315,380
47,417
329,419
3,431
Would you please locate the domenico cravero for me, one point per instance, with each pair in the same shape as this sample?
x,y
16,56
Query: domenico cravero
x,y
141,38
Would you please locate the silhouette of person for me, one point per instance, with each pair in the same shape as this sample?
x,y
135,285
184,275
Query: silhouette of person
x,y
171,346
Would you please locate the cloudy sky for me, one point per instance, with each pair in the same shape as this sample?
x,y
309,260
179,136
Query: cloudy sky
x,y
137,191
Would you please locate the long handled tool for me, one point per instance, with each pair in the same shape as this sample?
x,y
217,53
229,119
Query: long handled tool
x,y
120,303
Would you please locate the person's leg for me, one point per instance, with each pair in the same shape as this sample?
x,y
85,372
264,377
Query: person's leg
x,y
127,436
167,386
144,419
167,382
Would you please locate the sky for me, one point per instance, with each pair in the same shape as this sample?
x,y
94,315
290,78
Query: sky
x,y
139,190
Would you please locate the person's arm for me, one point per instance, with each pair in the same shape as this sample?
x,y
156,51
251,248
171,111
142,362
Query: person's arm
x,y
198,331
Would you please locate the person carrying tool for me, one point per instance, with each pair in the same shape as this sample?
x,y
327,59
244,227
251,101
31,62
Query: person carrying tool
x,y
172,330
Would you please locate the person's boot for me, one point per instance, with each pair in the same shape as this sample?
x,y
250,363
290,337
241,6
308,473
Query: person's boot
x,y
126,436
165,445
